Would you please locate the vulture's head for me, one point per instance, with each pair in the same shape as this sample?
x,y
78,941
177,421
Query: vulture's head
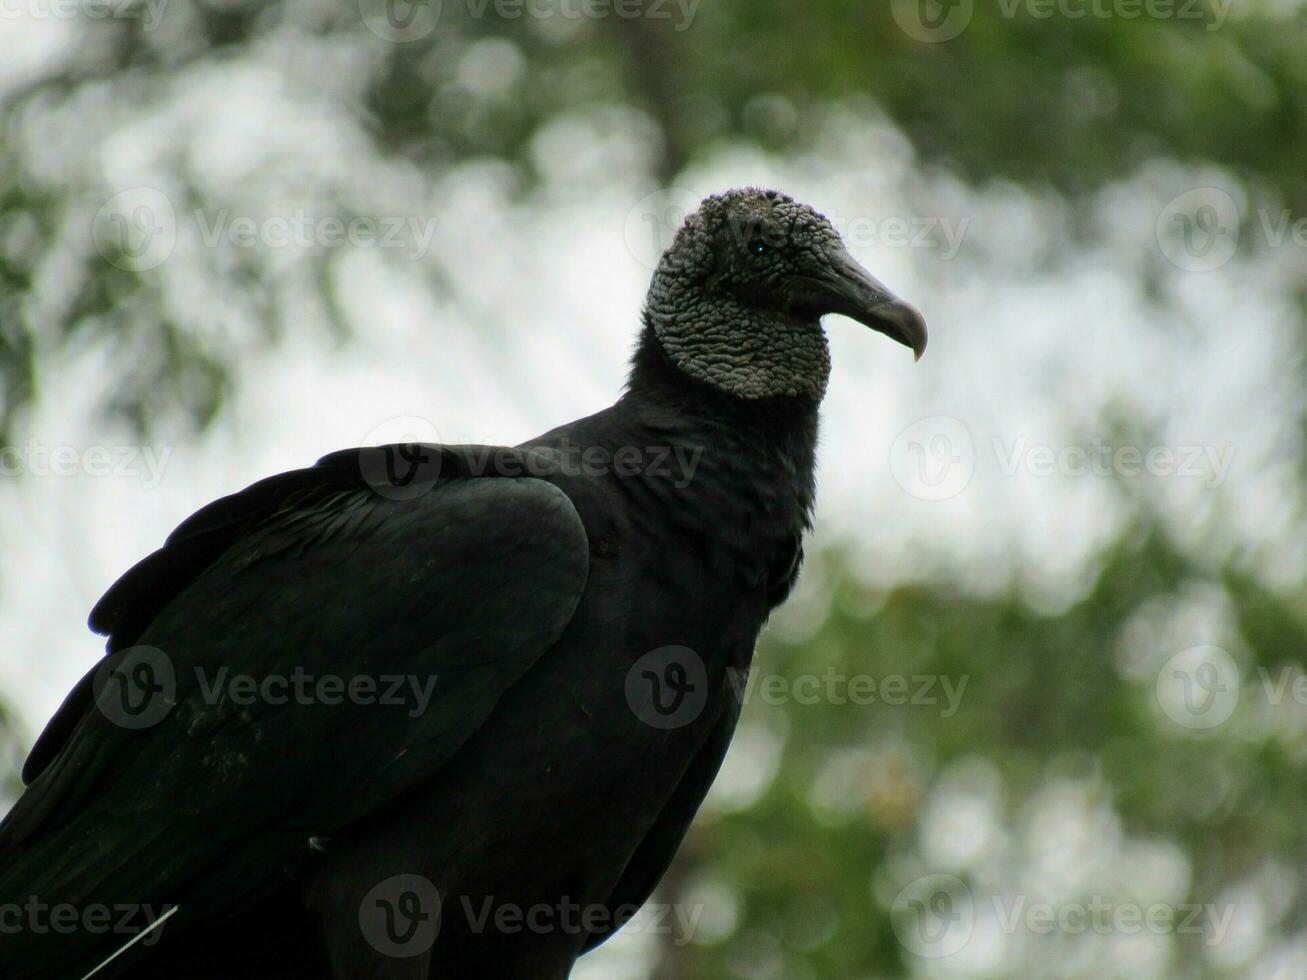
x,y
737,298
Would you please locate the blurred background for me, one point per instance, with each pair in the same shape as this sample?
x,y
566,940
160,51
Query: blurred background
x,y
1038,708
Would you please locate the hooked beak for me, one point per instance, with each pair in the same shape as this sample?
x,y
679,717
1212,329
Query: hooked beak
x,y
854,292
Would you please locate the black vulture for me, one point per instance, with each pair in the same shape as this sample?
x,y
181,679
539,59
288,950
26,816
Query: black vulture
x,y
447,711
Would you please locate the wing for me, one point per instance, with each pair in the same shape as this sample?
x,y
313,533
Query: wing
x,y
142,592
440,596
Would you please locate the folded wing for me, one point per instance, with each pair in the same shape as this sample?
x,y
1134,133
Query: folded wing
x,y
313,647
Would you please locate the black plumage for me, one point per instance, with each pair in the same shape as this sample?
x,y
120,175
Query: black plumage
x,y
518,588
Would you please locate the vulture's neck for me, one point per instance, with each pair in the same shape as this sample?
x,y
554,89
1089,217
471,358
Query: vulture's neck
x,y
754,458
660,384
735,474
747,351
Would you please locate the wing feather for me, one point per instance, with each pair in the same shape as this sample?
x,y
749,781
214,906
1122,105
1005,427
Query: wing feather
x,y
458,590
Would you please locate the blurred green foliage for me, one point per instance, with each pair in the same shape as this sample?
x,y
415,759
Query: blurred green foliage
x,y
1042,702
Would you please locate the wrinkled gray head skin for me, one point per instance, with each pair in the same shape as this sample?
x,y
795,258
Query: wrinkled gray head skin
x,y
737,299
